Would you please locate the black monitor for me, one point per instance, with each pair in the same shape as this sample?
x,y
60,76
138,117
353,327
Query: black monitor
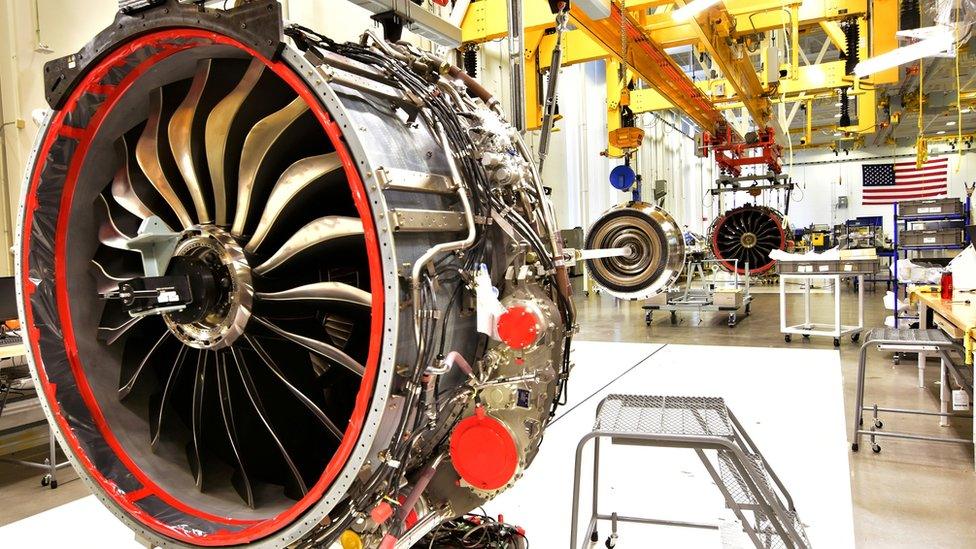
x,y
8,298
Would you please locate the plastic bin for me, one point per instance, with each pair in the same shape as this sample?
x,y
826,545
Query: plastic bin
x,y
829,267
944,237
931,206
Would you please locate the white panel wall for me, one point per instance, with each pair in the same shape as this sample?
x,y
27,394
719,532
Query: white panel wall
x,y
826,177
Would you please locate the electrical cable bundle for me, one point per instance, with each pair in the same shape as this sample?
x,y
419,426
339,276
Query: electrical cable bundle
x,y
475,531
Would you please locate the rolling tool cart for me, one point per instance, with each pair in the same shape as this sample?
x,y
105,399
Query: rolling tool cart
x,y
835,271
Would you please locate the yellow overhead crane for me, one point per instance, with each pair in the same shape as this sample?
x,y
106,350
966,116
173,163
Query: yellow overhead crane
x,y
650,28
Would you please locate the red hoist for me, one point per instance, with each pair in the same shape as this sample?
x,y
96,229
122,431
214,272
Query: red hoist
x,y
731,154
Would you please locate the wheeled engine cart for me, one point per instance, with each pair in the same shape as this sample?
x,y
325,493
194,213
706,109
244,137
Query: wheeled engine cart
x,y
712,295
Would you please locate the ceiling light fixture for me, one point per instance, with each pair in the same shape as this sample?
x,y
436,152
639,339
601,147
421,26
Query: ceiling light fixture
x,y
940,132
951,123
692,9
939,42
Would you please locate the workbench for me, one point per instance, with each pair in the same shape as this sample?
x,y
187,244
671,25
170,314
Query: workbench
x,y
954,316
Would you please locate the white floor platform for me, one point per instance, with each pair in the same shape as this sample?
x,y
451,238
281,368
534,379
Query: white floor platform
x,y
789,400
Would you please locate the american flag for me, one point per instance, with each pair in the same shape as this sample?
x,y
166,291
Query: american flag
x,y
889,183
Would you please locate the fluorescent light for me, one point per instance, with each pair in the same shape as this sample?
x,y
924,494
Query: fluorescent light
x,y
967,110
816,75
691,9
928,47
838,104
951,123
837,134
837,115
940,132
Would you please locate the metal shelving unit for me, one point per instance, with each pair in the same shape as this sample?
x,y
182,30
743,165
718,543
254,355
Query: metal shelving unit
x,y
897,284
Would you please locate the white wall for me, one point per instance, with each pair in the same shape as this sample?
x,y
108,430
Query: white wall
x,y
823,177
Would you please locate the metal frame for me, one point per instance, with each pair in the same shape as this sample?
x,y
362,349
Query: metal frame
x,y
808,328
734,449
906,340
703,299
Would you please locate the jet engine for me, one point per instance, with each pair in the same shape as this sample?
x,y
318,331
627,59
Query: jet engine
x,y
284,291
748,234
649,245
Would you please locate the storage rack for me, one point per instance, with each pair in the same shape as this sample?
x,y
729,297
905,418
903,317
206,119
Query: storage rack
x,y
875,225
898,247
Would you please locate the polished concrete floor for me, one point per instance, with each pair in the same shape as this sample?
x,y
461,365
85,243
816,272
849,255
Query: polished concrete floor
x,y
909,495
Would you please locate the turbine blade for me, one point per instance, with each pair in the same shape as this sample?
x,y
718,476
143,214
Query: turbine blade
x,y
148,156
183,143
316,346
312,407
253,395
321,231
299,176
258,147
104,281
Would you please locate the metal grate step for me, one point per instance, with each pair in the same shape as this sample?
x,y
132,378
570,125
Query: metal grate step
x,y
639,414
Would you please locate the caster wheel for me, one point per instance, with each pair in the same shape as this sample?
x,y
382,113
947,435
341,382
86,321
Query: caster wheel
x,y
611,543
594,536
861,422
806,336
836,342
788,338
674,319
878,424
586,294
748,308
45,480
732,320
54,485
896,360
855,337
648,318
854,447
876,448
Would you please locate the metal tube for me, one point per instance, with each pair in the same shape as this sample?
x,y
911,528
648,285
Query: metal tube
x,y
549,112
516,50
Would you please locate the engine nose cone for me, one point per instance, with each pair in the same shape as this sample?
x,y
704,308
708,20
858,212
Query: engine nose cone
x,y
221,285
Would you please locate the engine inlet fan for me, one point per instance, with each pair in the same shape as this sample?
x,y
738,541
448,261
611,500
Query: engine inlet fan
x,y
748,234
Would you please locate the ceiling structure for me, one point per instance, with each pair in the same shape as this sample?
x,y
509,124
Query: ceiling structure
x,y
752,63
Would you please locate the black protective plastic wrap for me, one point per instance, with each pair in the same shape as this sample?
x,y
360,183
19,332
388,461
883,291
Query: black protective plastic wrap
x,y
89,439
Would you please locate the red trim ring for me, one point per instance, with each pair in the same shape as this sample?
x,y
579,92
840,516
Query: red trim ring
x,y
239,531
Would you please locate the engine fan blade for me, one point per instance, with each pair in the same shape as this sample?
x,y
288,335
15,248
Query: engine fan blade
x,y
323,230
307,402
105,282
184,144
156,417
122,189
298,177
316,346
109,233
240,479
253,396
321,292
126,388
258,147
149,157
196,422
257,93
115,322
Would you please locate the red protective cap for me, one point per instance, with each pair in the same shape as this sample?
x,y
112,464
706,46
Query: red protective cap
x,y
381,513
518,327
483,451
